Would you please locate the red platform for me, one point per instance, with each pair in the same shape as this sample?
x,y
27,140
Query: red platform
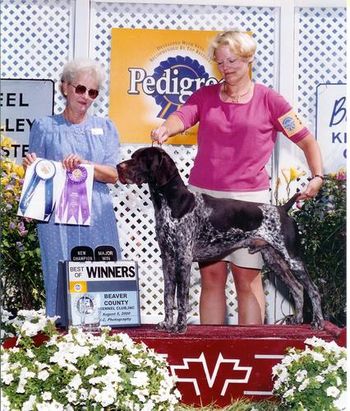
x,y
217,364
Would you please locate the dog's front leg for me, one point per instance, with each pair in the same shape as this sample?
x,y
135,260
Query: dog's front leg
x,y
183,276
169,292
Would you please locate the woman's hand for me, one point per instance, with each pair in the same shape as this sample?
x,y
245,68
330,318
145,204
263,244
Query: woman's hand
x,y
312,188
28,160
72,161
160,134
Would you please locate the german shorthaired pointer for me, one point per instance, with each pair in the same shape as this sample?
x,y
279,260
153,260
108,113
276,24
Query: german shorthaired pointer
x,y
198,227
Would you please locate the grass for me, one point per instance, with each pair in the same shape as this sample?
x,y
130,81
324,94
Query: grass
x,y
239,405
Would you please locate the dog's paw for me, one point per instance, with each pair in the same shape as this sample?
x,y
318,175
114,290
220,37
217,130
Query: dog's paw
x,y
179,328
317,323
165,326
292,320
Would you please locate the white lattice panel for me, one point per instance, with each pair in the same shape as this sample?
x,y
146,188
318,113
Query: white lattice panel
x,y
36,39
322,54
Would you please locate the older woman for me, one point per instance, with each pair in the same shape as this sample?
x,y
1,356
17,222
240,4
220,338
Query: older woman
x,y
238,125
74,137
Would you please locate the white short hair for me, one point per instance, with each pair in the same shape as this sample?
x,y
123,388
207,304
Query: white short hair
x,y
83,65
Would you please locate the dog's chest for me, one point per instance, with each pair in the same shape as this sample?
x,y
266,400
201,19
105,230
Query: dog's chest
x,y
175,232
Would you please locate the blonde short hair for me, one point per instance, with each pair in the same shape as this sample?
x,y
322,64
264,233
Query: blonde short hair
x,y
240,42
83,65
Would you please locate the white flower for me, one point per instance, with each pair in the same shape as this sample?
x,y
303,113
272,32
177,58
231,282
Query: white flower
x,y
111,360
317,356
304,384
71,396
320,379
47,396
149,406
300,375
5,402
140,379
29,404
76,382
332,392
315,342
108,397
289,393
51,406
90,369
6,377
342,402
43,375
83,394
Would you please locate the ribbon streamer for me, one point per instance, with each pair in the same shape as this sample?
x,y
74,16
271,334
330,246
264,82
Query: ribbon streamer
x,y
44,171
74,196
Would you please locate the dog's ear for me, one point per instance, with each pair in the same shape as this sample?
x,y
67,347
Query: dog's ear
x,y
165,170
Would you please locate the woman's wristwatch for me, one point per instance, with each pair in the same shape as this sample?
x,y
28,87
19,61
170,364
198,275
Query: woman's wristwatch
x,y
319,176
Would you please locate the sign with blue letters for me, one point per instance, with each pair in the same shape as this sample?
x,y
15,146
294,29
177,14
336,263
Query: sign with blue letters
x,y
331,125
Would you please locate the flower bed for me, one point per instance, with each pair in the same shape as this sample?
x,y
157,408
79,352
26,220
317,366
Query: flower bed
x,y
82,371
314,378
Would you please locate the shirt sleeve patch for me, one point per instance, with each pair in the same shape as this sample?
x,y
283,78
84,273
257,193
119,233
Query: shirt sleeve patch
x,y
290,123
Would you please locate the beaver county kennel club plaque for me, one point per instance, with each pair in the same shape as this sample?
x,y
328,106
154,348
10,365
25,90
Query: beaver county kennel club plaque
x,y
99,293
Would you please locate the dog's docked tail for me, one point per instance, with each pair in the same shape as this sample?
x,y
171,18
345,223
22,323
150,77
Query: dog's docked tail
x,y
290,202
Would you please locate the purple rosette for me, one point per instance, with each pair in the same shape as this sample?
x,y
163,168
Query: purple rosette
x,y
74,197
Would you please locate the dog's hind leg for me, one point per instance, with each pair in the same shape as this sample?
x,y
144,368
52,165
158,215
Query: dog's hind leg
x,y
310,287
278,265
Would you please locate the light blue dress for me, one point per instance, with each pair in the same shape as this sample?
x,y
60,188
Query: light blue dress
x,y
96,140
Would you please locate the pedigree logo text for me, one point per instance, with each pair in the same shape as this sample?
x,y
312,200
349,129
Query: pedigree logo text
x,y
153,72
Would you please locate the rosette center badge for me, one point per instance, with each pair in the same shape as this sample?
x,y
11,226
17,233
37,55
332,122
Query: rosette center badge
x,y
176,78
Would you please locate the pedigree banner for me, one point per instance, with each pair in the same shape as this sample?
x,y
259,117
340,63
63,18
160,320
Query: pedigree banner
x,y
153,72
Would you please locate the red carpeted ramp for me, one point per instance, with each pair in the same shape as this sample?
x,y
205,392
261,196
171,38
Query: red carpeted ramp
x,y
217,364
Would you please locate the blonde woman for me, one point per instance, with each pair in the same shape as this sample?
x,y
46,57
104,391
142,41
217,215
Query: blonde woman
x,y
238,125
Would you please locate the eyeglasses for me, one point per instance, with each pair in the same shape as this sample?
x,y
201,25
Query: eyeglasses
x,y
231,62
80,89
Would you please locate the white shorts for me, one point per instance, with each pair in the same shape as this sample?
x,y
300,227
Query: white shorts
x,y
241,257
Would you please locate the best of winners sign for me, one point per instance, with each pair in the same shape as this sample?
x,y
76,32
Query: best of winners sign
x,y
331,131
102,292
155,79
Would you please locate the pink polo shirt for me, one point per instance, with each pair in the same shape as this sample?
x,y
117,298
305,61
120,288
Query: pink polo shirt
x,y
235,141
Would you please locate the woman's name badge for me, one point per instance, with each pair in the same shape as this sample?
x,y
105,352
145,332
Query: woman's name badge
x,y
97,131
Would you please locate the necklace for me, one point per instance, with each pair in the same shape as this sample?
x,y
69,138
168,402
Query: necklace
x,y
236,97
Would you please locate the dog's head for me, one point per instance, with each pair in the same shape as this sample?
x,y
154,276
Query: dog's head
x,y
147,165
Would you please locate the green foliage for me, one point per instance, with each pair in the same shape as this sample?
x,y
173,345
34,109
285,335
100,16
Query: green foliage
x,y
21,273
322,225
